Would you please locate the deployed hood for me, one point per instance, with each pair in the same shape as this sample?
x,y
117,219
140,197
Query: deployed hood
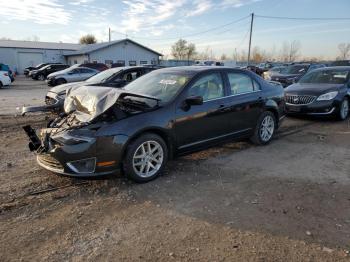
x,y
88,102
62,88
312,89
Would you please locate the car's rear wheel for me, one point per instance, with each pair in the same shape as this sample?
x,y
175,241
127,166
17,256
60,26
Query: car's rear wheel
x,y
265,129
145,158
1,85
344,109
41,77
60,81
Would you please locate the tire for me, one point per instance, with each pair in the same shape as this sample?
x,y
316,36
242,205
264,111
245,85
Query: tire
x,y
265,129
1,85
343,111
41,77
138,161
60,81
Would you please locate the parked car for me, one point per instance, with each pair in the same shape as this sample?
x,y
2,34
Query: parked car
x,y
273,71
70,75
27,70
5,79
254,69
293,73
324,91
340,63
114,77
43,72
97,66
7,69
163,114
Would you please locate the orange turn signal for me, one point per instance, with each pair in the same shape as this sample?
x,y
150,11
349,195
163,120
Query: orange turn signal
x,y
103,164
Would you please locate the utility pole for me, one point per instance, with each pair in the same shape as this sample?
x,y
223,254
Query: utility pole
x,y
250,37
109,34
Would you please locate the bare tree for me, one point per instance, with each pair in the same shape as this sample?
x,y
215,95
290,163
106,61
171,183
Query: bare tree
x,y
344,49
183,50
290,51
223,57
88,39
294,50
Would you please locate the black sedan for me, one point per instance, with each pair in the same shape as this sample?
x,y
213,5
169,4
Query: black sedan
x,y
165,113
291,74
322,92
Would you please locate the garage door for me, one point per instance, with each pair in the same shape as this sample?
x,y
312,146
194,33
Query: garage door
x,y
28,59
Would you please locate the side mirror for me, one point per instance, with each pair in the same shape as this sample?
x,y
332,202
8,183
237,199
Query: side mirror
x,y
194,101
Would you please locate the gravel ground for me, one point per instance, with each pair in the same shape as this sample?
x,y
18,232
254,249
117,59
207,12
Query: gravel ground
x,y
236,202
23,91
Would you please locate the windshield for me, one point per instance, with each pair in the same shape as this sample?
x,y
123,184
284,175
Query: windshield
x,y
295,69
160,84
103,76
326,77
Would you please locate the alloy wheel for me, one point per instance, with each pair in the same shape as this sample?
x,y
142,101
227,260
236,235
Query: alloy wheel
x,y
344,109
267,128
148,159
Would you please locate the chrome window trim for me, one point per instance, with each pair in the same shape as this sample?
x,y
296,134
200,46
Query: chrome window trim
x,y
232,96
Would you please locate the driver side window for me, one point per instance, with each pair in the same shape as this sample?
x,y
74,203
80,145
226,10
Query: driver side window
x,y
209,87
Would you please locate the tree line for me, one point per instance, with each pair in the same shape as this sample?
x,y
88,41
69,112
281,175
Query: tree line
x,y
288,52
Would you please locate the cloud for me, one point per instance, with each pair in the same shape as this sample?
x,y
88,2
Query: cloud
x,y
140,14
236,3
80,2
200,7
39,11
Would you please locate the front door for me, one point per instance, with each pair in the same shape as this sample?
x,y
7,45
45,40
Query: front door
x,y
199,124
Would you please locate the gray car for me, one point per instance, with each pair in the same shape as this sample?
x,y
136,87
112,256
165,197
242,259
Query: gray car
x,y
69,75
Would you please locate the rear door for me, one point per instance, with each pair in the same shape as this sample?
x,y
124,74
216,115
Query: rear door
x,y
201,124
244,103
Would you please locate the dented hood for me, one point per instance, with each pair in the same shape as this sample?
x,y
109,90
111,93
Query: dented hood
x,y
88,102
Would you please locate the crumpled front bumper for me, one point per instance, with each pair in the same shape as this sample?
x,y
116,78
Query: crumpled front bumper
x,y
53,104
60,157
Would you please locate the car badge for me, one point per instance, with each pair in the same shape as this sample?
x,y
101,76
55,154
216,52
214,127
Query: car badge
x,y
295,99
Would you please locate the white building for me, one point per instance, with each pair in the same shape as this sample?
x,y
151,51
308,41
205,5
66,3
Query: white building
x,y
21,54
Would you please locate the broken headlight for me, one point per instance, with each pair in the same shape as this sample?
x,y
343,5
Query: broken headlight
x,y
68,139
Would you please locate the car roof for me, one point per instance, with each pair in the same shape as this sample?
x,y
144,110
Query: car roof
x,y
195,69
339,68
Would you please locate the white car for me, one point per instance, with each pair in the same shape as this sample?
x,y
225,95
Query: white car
x,y
5,80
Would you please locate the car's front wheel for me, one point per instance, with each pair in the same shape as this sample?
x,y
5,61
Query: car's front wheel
x,y
41,77
344,109
265,128
145,158
60,81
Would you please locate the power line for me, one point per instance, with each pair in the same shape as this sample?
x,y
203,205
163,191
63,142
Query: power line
x,y
195,34
303,18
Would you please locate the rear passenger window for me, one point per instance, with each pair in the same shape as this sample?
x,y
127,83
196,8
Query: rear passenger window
x,y
209,87
241,83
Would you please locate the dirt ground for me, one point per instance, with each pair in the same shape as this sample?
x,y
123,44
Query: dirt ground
x,y
288,201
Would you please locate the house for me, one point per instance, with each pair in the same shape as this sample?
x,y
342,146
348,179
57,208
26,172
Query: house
x,y
21,54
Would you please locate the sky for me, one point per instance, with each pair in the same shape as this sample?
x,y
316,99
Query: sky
x,y
159,23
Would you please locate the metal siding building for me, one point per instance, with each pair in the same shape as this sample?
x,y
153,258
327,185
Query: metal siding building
x,y
122,51
21,54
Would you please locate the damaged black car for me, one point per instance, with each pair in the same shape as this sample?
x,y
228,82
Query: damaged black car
x,y
163,114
